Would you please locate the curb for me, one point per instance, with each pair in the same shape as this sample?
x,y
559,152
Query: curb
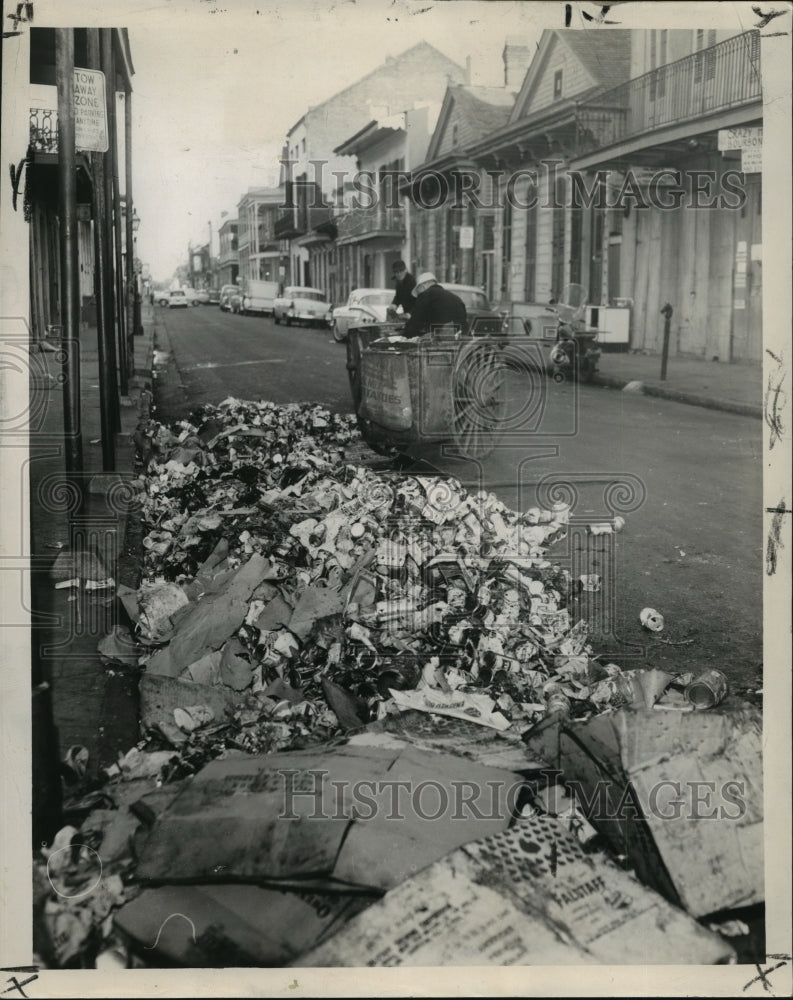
x,y
678,396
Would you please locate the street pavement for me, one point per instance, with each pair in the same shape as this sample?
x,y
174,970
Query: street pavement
x,y
687,480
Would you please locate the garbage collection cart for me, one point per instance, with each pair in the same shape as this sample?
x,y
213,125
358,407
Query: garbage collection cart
x,y
428,391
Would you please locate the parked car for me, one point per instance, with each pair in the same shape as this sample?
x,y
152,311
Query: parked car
x,y
365,305
259,296
483,319
192,296
225,293
202,297
299,304
175,299
214,296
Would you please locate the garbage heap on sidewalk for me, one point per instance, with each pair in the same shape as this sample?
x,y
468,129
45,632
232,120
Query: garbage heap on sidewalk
x,y
364,690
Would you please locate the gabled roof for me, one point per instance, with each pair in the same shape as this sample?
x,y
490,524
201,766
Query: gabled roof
x,y
603,53
370,134
483,108
414,50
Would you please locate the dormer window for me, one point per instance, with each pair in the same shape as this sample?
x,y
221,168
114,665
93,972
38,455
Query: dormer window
x,y
557,85
454,135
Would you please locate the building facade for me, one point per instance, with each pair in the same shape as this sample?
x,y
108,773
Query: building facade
x,y
372,224
695,92
257,244
318,178
228,254
618,169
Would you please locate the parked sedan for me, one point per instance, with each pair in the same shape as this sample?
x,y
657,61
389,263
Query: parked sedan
x,y
299,304
202,297
365,305
483,319
176,299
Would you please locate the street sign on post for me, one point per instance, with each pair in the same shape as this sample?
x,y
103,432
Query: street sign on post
x,y
90,110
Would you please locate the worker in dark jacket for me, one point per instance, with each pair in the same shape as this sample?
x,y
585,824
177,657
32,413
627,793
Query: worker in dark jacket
x,y
434,307
403,293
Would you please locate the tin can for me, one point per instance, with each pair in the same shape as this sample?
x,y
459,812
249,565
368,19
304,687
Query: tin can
x,y
707,690
557,704
556,701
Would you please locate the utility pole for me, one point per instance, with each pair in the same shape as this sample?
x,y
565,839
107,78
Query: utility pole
x,y
108,381
106,222
67,245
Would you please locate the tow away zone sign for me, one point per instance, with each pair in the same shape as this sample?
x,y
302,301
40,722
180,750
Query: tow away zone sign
x,y
90,110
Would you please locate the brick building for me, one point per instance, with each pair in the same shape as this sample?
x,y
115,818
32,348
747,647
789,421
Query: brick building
x,y
418,75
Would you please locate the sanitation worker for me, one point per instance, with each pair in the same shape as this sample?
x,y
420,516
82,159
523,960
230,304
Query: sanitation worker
x,y
434,307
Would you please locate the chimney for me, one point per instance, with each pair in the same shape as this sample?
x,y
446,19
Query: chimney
x,y
516,56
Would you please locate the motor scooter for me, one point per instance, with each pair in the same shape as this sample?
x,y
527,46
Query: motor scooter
x,y
575,353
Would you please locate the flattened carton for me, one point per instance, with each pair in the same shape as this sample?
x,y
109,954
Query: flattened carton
x,y
679,793
530,895
200,926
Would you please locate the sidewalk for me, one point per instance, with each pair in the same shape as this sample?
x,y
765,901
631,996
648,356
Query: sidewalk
x,y
734,388
92,706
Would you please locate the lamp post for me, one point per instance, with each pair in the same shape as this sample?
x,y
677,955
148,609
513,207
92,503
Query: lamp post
x,y
137,328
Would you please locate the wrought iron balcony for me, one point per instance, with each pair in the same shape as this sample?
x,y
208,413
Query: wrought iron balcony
x,y
301,219
44,130
718,78
368,223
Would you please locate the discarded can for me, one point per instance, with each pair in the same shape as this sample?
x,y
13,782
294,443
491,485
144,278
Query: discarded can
x,y
651,619
707,690
556,701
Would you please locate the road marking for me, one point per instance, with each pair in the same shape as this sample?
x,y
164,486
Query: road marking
x,y
234,364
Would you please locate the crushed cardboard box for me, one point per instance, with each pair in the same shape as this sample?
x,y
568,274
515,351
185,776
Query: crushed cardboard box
x,y
528,896
681,794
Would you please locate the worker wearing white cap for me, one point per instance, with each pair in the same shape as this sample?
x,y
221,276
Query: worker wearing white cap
x,y
434,307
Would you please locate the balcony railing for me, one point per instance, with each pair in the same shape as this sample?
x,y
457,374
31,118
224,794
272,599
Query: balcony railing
x,y
44,130
299,220
715,79
379,220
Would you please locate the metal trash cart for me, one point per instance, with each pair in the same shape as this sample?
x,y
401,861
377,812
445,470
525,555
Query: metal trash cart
x,y
432,390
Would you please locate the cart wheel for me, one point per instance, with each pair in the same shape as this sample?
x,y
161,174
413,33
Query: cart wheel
x,y
480,399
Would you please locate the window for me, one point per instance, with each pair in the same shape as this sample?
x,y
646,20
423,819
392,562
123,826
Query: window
x,y
506,246
705,62
557,85
488,233
454,135
576,244
658,56
557,239
531,253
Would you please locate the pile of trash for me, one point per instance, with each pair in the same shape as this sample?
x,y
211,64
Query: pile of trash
x,y
319,594
302,609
